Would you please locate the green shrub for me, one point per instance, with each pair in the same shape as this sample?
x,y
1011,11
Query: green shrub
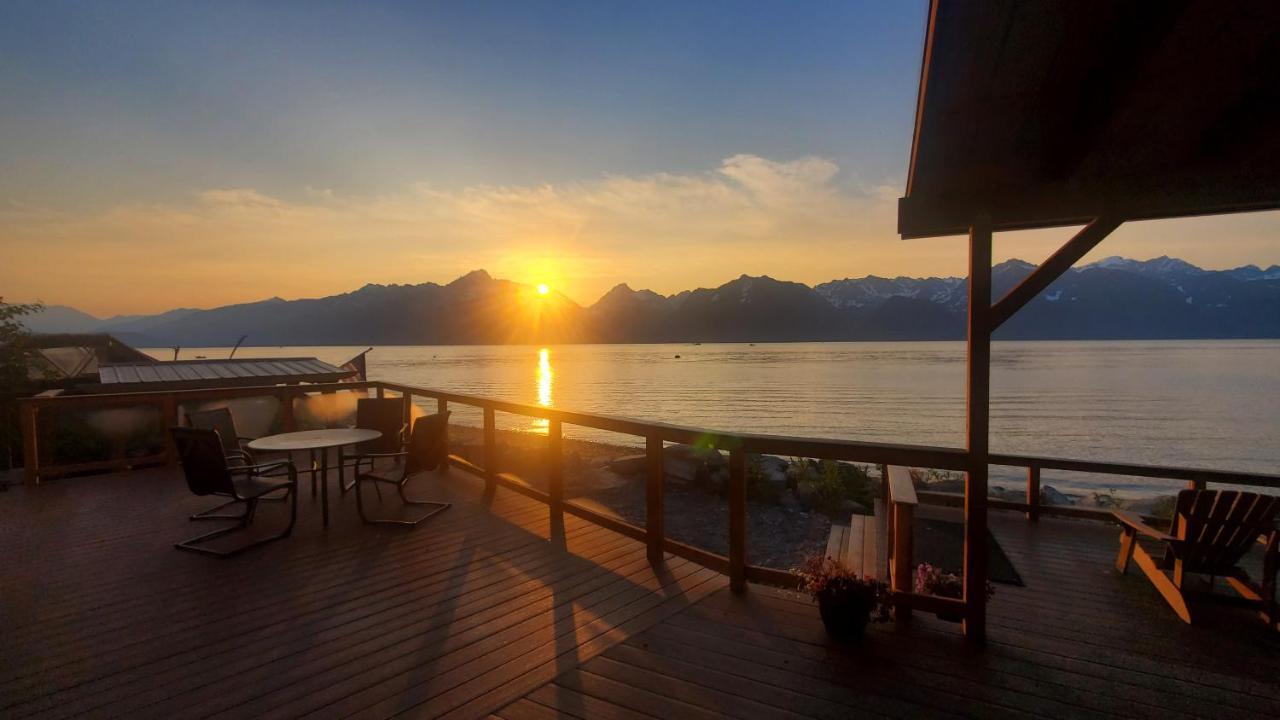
x,y
758,486
832,483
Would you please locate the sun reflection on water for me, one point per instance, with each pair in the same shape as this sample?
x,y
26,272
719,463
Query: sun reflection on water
x,y
545,376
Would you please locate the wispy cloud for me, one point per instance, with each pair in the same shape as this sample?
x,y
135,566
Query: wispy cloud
x,y
802,219
663,230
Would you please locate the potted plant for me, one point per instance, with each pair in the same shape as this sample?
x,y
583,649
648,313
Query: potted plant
x,y
930,580
845,600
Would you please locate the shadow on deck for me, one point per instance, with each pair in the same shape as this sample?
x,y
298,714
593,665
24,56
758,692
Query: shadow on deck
x,y
488,608
1077,641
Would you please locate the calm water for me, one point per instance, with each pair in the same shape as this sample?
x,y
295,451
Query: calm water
x,y
1213,404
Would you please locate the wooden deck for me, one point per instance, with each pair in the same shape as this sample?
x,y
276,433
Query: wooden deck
x,y
489,610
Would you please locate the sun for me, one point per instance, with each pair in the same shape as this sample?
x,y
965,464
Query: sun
x,y
543,289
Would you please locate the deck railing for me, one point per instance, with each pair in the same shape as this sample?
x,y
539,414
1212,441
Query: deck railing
x,y
738,446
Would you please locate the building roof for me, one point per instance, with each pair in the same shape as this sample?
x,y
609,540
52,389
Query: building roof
x,y
1054,112
187,374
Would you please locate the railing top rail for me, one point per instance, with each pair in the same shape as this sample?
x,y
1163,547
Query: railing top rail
x,y
946,458
1138,470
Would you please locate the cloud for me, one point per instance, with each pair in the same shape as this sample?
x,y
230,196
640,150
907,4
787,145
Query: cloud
x,y
802,219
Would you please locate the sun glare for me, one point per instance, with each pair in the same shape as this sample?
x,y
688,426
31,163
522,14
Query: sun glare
x,y
545,377
543,289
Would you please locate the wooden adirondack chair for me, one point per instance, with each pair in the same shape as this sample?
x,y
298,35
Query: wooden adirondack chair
x,y
1210,532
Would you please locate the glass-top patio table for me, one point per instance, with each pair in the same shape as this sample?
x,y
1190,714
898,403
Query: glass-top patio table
x,y
312,440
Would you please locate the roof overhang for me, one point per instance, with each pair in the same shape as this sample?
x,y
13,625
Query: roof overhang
x,y
1051,113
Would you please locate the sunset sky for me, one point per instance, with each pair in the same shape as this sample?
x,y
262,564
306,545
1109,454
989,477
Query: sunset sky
x,y
167,154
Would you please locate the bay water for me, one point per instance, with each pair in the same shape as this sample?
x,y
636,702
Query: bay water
x,y
1210,404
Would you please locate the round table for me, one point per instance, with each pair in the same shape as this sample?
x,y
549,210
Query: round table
x,y
322,440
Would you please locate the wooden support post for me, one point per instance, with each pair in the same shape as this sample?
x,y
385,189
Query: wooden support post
x,y
1270,561
978,398
380,392
655,514
738,520
885,510
555,470
30,443
1033,493
490,446
287,423
408,410
442,407
901,575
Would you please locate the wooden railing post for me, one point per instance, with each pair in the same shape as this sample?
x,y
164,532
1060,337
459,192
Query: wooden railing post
x,y
655,514
555,469
381,392
407,400
490,445
287,423
738,519
1033,493
901,499
442,407
30,443
901,578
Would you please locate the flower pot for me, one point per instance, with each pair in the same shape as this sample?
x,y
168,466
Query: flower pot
x,y
844,620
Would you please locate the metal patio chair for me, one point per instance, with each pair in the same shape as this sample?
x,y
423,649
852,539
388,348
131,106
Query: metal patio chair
x,y
428,449
386,415
204,464
234,447
220,419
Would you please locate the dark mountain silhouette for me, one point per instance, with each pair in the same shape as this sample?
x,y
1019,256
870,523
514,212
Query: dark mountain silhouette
x,y
1115,298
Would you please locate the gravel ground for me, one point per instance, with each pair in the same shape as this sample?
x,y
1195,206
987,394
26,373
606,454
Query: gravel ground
x,y
777,536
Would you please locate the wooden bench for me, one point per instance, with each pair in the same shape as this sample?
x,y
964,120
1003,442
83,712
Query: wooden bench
x,y
859,546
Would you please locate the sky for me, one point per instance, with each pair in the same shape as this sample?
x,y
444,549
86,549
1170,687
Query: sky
x,y
180,154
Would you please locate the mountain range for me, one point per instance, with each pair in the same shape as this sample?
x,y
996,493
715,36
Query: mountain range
x,y
1115,298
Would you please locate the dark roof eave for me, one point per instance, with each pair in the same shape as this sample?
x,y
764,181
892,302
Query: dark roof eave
x,y
926,217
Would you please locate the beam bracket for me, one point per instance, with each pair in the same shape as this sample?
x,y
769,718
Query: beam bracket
x,y
1051,269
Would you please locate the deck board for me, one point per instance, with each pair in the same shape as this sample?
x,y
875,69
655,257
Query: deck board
x,y
491,610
